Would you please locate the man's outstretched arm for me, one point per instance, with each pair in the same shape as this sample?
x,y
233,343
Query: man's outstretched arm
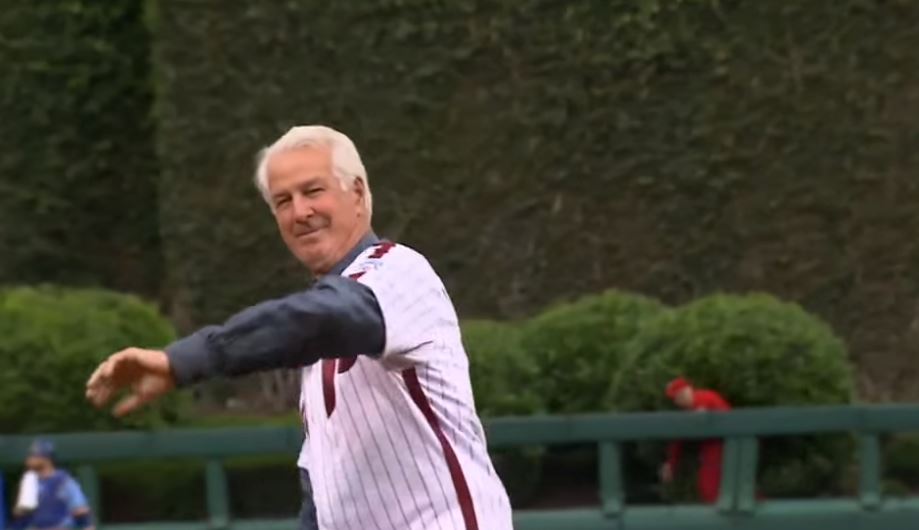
x,y
338,317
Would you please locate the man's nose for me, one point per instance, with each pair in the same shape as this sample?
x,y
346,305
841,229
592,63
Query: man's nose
x,y
303,208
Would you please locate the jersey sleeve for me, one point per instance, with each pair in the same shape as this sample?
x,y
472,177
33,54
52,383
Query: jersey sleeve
x,y
412,299
74,496
337,317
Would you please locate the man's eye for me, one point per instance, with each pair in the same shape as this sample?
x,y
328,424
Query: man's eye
x,y
314,191
281,202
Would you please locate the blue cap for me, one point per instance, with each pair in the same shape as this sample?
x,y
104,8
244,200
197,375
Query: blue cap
x,y
42,448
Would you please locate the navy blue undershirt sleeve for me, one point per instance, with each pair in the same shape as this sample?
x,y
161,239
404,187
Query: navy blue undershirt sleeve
x,y
337,317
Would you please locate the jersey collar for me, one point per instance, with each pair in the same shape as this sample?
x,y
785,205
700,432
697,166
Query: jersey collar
x,y
366,242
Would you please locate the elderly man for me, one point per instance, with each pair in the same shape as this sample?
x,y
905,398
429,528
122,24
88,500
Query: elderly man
x,y
392,437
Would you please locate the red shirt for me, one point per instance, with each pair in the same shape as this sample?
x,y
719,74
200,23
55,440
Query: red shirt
x,y
702,400
708,400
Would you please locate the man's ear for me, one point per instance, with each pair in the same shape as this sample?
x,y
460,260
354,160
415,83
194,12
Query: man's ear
x,y
360,190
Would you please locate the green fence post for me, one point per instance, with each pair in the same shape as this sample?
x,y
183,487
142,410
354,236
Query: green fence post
x,y
869,487
218,503
730,469
611,494
746,488
89,483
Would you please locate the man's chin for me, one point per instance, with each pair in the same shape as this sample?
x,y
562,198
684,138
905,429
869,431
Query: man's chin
x,y
311,255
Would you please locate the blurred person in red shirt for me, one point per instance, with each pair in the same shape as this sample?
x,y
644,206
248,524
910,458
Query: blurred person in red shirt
x,y
708,477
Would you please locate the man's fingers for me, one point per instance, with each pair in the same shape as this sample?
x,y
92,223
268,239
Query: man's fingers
x,y
99,388
101,373
131,403
103,383
100,394
106,373
145,371
106,370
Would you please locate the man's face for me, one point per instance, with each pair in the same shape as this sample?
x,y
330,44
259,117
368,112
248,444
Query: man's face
x,y
318,219
684,398
37,463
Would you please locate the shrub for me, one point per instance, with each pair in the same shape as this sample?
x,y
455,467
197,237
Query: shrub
x,y
578,347
500,373
756,351
51,339
500,370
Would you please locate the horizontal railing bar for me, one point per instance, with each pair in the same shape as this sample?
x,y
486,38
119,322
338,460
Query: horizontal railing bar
x,y
535,430
607,430
758,422
174,443
895,514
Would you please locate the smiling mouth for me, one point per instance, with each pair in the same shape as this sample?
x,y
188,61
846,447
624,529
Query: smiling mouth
x,y
308,233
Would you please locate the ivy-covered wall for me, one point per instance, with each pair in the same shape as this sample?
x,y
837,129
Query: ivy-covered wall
x,y
537,149
77,162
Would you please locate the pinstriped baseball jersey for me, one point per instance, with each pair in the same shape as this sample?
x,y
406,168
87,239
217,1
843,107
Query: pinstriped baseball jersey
x,y
394,442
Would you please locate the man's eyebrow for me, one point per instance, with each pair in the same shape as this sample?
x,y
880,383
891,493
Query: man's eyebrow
x,y
305,184
312,181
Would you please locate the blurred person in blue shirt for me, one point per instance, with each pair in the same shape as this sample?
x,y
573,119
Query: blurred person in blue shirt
x,y
57,502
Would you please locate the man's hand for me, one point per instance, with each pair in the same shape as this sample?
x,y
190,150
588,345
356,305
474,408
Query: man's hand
x,y
82,519
666,473
146,375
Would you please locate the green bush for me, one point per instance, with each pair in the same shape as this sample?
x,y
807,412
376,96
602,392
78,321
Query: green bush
x,y
756,351
500,370
501,375
573,351
52,338
578,347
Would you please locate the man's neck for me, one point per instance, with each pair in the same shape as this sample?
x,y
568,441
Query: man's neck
x,y
360,243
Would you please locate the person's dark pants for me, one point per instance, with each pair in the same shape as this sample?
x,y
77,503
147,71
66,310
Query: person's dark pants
x,y
308,507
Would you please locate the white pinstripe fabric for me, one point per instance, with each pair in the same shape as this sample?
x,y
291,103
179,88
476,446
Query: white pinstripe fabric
x,y
378,461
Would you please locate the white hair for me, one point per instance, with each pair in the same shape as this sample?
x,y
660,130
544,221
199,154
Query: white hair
x,y
346,162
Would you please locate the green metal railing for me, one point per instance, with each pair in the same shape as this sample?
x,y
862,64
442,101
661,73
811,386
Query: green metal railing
x,y
737,506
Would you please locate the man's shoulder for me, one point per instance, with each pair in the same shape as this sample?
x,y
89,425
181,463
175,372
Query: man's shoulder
x,y
390,257
65,475
712,399
58,477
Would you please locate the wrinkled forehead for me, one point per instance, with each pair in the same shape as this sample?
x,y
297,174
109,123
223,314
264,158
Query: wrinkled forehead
x,y
296,165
